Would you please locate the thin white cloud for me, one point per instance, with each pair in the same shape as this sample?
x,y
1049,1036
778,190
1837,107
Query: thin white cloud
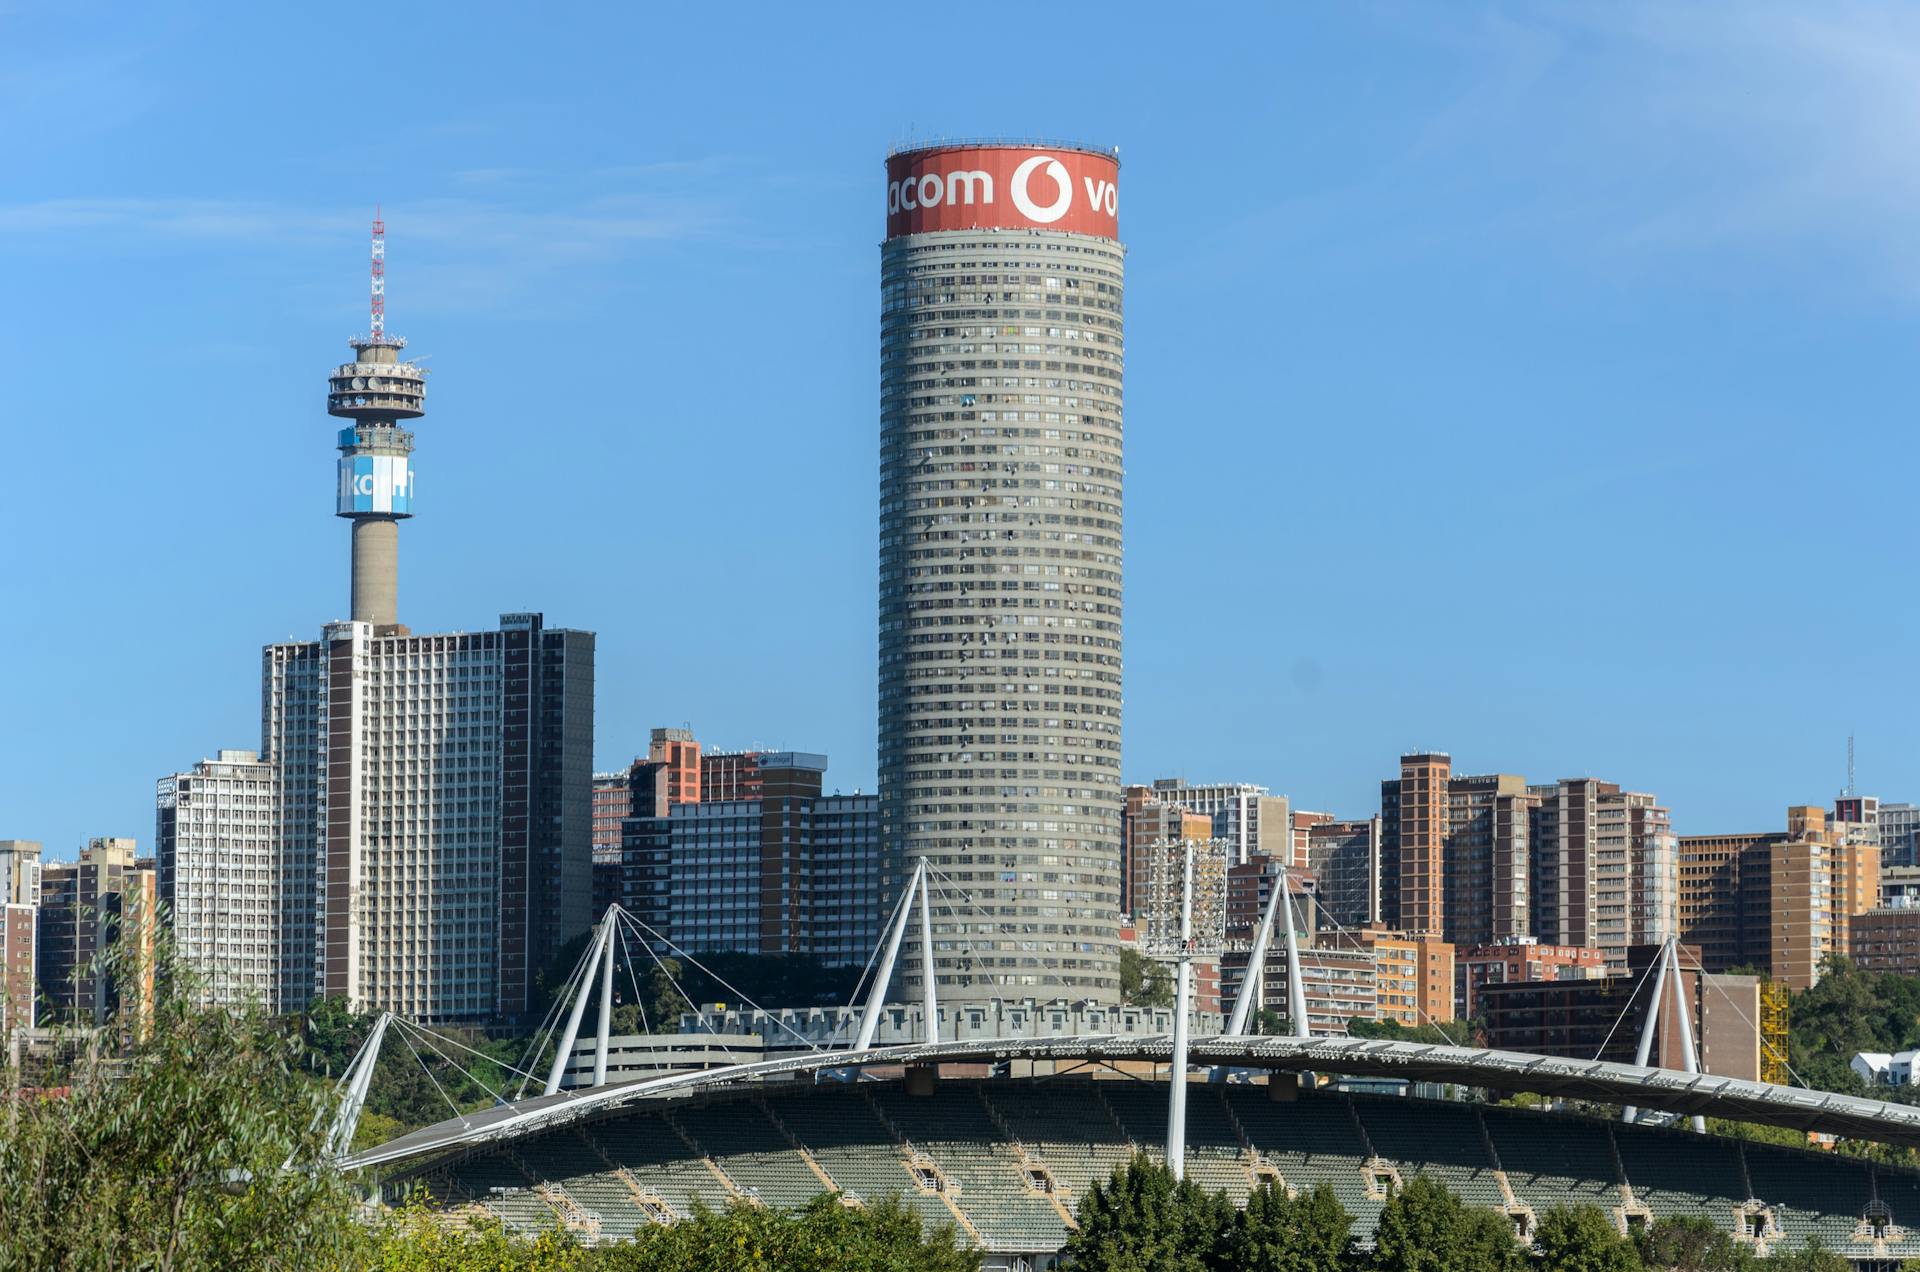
x,y
1755,140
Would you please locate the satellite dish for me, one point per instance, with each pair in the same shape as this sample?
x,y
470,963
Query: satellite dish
x,y
359,383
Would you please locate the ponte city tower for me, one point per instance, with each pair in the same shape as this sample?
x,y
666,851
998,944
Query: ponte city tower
x,y
1000,561
377,391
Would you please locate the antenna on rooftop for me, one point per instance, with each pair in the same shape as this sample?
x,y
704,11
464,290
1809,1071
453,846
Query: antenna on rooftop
x,y
378,296
1850,790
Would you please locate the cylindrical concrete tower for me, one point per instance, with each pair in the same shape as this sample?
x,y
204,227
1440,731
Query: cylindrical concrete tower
x,y
376,391
1000,390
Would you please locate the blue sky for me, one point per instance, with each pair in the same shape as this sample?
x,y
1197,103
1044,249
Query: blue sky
x,y
1530,382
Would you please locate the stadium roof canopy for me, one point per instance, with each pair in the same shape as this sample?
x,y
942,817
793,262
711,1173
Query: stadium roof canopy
x,y
1667,1090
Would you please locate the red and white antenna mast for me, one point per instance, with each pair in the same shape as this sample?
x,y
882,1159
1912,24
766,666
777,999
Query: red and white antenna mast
x,y
378,331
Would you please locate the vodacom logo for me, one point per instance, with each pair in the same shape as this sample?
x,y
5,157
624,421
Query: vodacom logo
x,y
1023,198
1040,188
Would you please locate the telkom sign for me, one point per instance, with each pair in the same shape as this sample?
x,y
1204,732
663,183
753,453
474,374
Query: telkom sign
x,y
1003,188
375,483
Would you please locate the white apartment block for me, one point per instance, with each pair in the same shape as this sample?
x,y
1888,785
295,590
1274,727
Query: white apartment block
x,y
435,805
215,834
1251,820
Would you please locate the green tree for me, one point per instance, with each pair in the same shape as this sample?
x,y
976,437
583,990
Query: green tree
x,y
660,1004
175,1153
415,1239
1582,1239
1278,1233
1140,1220
1425,1228
1811,1257
1454,1033
1691,1243
825,1236
1143,982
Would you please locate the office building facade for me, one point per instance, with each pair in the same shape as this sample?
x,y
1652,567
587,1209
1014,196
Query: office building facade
x,y
1002,280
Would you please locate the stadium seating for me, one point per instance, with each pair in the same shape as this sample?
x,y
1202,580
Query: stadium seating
x,y
853,1146
1311,1140
648,1148
1556,1161
1675,1172
953,1127
1064,1126
609,1173
1432,1138
745,1144
1824,1201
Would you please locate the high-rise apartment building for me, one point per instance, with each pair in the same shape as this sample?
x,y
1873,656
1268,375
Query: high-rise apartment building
x,y
103,902
19,872
216,850
1520,958
1148,822
1415,817
1779,901
669,774
19,906
1899,828
1605,868
1488,858
1249,820
1000,558
1344,859
787,871
435,801
18,967
1454,851
612,804
1725,897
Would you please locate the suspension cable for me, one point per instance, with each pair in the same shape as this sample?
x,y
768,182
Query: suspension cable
x,y
670,944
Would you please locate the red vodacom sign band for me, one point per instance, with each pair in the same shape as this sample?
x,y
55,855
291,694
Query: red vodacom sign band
x,y
1003,188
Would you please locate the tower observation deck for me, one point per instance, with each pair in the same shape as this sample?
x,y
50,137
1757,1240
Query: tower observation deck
x,y
377,391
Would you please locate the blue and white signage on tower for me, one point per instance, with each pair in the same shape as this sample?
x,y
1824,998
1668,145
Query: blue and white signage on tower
x,y
375,484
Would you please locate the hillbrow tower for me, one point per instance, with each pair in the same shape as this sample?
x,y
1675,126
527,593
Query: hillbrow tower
x,y
1000,561
377,391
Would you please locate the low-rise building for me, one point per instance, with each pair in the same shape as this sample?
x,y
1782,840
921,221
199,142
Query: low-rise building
x,y
1339,985
1886,940
1520,958
1413,973
1886,1069
1736,1021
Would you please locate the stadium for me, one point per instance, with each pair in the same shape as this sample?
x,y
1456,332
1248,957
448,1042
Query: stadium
x,y
1001,1138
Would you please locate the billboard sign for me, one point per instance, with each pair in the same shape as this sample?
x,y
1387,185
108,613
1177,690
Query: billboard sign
x,y
375,484
1003,188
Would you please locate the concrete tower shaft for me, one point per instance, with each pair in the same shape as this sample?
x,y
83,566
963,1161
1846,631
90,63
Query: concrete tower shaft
x,y
1000,562
377,390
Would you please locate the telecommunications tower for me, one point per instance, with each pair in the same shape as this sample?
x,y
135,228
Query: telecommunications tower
x,y
377,391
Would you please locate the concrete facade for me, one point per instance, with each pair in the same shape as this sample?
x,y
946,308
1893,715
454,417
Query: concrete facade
x,y
216,852
104,900
435,804
1000,600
